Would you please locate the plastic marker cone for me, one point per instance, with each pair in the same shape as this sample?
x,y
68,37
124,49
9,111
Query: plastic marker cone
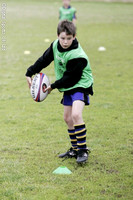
x,y
101,49
62,170
47,40
26,52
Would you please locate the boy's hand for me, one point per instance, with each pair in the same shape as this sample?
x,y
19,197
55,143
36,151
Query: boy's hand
x,y
29,81
49,89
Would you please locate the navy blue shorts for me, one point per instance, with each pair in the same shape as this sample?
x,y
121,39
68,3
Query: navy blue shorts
x,y
69,99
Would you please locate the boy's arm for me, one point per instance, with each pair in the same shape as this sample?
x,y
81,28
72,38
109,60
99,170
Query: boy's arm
x,y
59,13
74,21
41,63
74,18
72,75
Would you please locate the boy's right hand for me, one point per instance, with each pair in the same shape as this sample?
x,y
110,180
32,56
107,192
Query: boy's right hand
x,y
29,81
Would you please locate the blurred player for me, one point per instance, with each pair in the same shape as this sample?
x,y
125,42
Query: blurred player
x,y
67,12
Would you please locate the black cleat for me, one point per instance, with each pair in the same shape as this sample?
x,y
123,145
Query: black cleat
x,y
71,153
82,155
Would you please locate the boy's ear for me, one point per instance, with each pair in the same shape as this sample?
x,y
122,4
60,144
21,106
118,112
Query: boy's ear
x,y
74,37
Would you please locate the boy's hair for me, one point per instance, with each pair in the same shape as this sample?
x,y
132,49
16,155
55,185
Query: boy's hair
x,y
66,26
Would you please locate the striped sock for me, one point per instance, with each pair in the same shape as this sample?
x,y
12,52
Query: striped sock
x,y
73,138
80,132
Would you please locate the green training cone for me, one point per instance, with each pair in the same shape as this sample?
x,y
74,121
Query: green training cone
x,y
62,170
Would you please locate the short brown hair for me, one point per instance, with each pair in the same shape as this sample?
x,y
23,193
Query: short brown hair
x,y
66,26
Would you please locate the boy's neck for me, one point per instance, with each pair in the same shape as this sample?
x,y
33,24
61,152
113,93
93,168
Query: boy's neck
x,y
66,7
74,45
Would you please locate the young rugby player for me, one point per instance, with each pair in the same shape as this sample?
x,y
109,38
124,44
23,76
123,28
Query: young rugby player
x,y
73,78
67,12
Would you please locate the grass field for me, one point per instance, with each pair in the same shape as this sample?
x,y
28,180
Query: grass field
x,y
33,134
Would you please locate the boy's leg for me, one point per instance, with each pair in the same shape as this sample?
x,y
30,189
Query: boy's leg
x,y
79,124
77,110
80,130
71,131
68,116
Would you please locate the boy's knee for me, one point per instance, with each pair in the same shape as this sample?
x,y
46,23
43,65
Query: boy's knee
x,y
67,118
76,117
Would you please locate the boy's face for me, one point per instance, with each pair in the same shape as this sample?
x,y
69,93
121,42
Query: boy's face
x,y
66,3
65,40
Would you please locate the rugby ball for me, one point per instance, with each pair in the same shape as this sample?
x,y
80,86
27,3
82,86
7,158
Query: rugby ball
x,y
39,82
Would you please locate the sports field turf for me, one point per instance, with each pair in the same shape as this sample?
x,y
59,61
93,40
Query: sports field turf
x,y
33,134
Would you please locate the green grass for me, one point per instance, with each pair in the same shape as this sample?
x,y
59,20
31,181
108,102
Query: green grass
x,y
33,134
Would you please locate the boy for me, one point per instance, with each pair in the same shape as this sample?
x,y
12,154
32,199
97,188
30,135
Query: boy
x,y
74,78
67,12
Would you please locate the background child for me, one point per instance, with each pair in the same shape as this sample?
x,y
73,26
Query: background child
x,y
67,12
74,78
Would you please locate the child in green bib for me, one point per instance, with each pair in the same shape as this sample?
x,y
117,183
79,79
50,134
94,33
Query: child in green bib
x,y
67,12
74,78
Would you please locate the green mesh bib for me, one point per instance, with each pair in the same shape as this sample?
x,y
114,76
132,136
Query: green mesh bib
x,y
66,13
60,61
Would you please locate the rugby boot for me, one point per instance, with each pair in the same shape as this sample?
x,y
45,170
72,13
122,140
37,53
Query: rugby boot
x,y
82,155
71,153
